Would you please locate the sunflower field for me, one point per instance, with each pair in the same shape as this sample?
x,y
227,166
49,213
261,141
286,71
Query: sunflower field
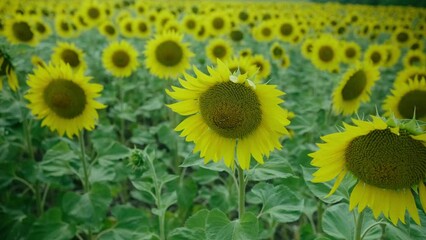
x,y
193,120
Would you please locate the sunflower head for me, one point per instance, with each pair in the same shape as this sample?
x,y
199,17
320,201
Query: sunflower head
x,y
70,54
387,158
227,115
120,58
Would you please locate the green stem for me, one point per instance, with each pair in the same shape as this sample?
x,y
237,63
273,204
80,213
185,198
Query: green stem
x,y
161,211
121,100
29,145
84,162
371,227
358,226
241,191
319,216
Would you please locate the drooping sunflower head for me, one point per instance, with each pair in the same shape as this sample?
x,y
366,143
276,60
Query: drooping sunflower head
x,y
218,49
354,88
407,100
120,58
69,53
63,98
7,69
229,115
167,56
387,158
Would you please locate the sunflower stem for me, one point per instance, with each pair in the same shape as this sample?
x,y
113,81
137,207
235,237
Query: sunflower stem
x,y
157,192
30,149
358,226
121,99
241,191
84,162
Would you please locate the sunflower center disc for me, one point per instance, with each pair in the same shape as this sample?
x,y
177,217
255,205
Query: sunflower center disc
x,y
65,98
326,53
266,32
232,110
413,102
70,57
110,30
277,52
402,37
286,29
386,160
169,53
376,57
218,23
22,31
355,86
350,53
120,59
93,13
219,51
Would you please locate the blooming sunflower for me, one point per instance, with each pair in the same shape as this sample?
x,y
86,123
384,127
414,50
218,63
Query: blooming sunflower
x,y
354,88
287,29
407,100
20,30
218,48
403,37
7,69
218,23
167,55
414,58
263,66
264,32
276,51
108,30
306,48
376,54
406,74
388,160
325,53
229,114
285,61
63,98
351,52
120,58
242,65
392,56
69,53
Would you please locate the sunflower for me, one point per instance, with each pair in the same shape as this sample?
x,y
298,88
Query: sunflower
x,y
120,58
236,35
287,29
7,69
37,61
229,115
218,23
218,48
392,56
407,100
69,53
414,58
42,28
242,65
63,98
167,55
127,27
245,52
65,26
376,54
306,47
20,30
93,13
285,61
108,30
403,37
325,53
406,74
388,160
263,66
354,88
142,28
351,52
276,51
264,32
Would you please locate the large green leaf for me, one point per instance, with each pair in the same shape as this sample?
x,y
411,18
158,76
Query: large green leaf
x,y
275,167
109,151
219,227
339,223
130,223
194,227
57,160
90,208
51,227
279,202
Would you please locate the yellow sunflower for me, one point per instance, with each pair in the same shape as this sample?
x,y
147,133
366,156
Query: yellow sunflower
x,y
69,53
218,48
406,74
276,51
414,58
167,55
218,23
388,160
407,100
190,24
63,98
236,35
392,56
287,29
285,61
306,48
120,58
354,88
351,52
403,37
93,13
376,54
142,28
264,32
7,69
229,115
65,26
263,66
127,27
241,65
109,30
326,53
20,30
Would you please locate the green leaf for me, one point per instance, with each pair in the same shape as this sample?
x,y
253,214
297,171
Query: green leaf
x,y
321,190
279,202
339,223
219,227
204,176
109,151
130,223
186,193
198,220
101,174
51,227
194,160
90,208
276,167
186,234
56,161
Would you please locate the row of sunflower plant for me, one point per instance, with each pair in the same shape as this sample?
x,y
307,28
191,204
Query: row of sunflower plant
x,y
135,119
